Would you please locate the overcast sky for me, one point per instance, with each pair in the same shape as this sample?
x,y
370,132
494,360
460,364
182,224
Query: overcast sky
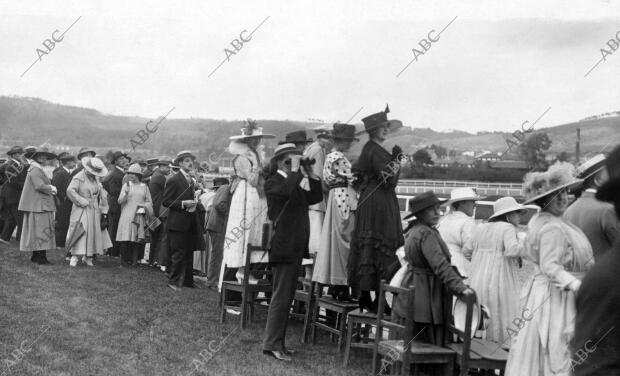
x,y
496,66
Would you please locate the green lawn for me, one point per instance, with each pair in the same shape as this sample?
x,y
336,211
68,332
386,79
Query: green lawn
x,y
111,321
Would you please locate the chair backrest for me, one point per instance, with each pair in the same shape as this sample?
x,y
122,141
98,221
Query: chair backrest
x,y
399,326
248,257
464,336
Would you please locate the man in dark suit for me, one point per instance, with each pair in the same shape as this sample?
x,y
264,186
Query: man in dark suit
x,y
595,218
157,182
13,173
61,180
182,225
113,183
287,205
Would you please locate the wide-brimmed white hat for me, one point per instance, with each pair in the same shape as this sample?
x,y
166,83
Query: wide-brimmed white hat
x,y
251,130
506,205
459,313
463,194
590,167
94,166
135,169
540,184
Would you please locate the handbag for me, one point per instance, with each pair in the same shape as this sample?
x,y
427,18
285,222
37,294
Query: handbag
x,y
269,229
103,221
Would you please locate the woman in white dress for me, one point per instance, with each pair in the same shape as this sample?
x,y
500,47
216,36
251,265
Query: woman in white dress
x,y
561,254
333,254
458,226
136,214
248,206
495,249
90,202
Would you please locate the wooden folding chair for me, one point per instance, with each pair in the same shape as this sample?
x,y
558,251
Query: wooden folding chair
x,y
329,304
475,353
248,291
405,350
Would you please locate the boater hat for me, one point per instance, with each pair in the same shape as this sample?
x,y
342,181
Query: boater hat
x,y
64,156
379,120
184,154
506,205
297,137
152,161
286,149
323,131
421,202
250,130
611,188
164,160
95,166
559,176
590,167
464,194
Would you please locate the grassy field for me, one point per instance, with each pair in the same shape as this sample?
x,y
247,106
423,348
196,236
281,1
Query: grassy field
x,y
57,320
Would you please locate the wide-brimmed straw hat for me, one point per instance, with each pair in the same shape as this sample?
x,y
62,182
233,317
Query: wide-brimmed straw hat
x,y
459,312
323,131
506,205
611,188
251,130
95,166
43,152
344,132
559,176
282,149
464,194
590,167
297,137
135,169
380,119
422,201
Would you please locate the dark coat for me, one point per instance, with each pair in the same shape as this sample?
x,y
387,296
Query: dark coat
x,y
597,325
13,176
290,240
76,170
219,210
157,183
434,278
61,180
180,220
113,183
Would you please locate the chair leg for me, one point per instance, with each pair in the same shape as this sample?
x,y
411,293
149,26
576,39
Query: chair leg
x,y
342,329
307,313
244,317
347,346
315,313
223,305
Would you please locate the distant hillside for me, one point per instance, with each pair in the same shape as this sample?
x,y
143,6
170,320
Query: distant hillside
x,y
34,121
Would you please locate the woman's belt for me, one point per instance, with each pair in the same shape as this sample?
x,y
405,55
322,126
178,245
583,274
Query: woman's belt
x,y
338,185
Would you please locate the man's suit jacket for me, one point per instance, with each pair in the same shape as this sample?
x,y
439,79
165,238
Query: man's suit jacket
x,y
177,190
157,183
113,183
293,228
597,220
218,215
13,175
61,180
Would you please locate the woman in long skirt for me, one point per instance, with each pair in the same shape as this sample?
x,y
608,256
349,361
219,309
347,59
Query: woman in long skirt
x,y
89,204
136,213
333,254
495,249
248,206
378,230
37,204
562,255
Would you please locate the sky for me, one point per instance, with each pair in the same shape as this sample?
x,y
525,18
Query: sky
x,y
497,64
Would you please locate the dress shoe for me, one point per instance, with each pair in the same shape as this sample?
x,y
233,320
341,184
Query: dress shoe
x,y
175,288
87,260
289,352
278,355
73,262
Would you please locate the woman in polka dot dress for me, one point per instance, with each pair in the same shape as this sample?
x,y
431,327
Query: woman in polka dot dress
x,y
331,260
